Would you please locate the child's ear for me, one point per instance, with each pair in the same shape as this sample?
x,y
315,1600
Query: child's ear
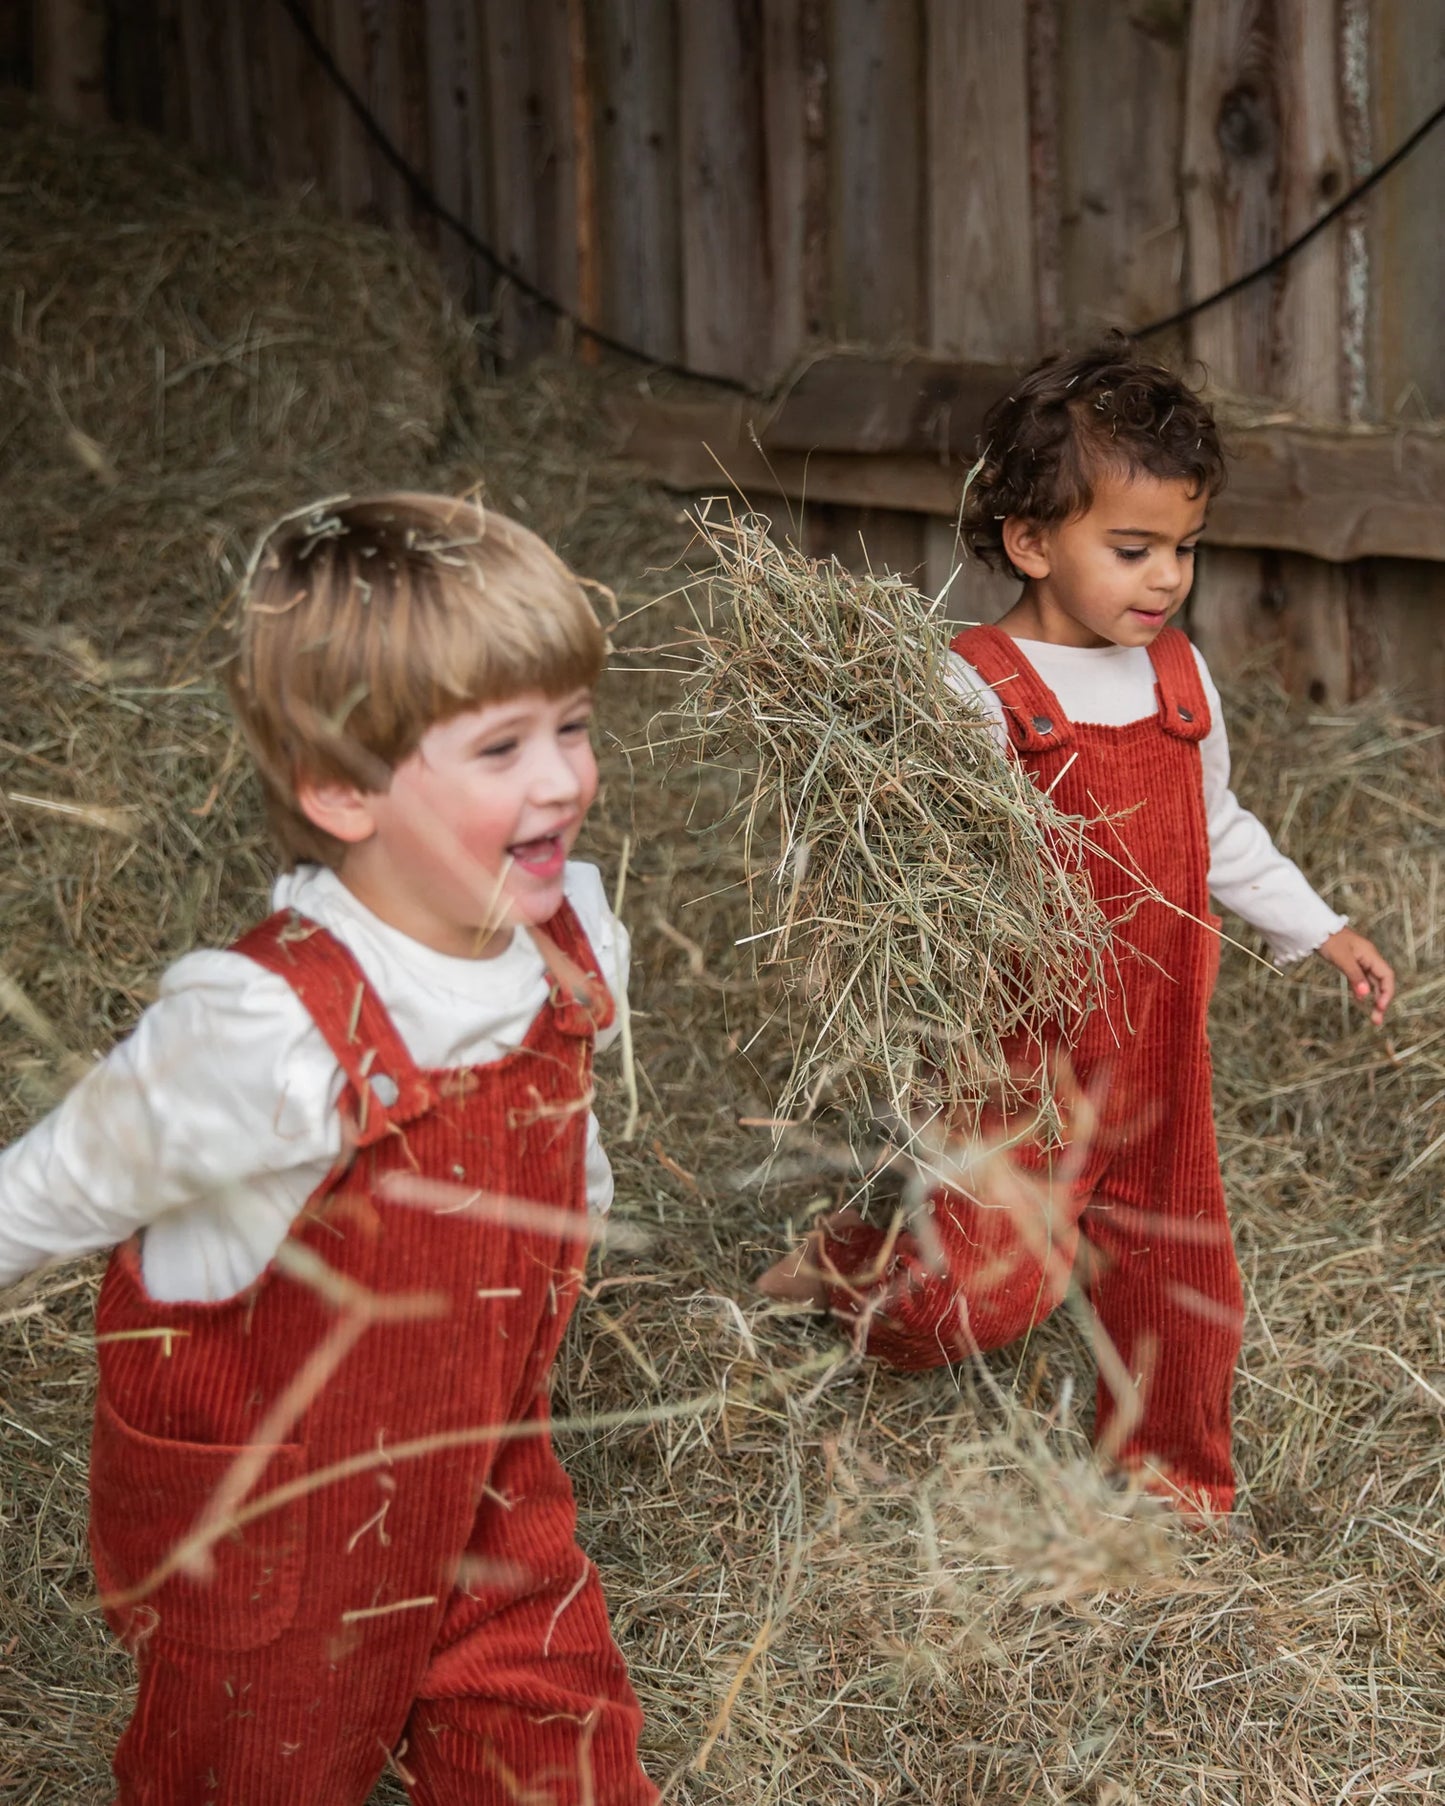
x,y
1026,544
337,808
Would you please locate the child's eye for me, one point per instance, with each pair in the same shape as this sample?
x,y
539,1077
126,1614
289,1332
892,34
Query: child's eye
x,y
497,749
1132,554
581,726
1189,550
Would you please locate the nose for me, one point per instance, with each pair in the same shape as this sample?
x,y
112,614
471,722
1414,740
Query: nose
x,y
556,780
1168,573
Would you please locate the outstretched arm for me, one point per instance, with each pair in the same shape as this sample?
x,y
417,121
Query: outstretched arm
x,y
223,1080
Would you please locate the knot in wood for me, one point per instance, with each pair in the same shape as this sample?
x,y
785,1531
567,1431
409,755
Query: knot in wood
x,y
1246,125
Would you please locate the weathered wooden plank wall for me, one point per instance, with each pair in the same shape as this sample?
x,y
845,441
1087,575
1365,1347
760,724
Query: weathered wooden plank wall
x,y
730,182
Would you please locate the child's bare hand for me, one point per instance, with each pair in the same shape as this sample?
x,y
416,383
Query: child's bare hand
x,y
796,1278
1372,979
799,1278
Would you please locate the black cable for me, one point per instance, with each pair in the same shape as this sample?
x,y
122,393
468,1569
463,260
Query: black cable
x,y
1285,252
426,197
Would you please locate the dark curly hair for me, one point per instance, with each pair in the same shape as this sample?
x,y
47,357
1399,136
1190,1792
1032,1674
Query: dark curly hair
x,y
1070,420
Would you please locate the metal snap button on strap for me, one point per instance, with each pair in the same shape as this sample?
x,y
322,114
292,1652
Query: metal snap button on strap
x,y
384,1089
1186,714
1042,725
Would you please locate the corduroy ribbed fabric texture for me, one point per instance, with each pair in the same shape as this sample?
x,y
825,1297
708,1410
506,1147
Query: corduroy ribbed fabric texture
x,y
436,1610
1146,1194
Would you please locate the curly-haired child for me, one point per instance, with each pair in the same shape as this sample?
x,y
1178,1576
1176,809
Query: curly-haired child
x,y
379,1097
1093,490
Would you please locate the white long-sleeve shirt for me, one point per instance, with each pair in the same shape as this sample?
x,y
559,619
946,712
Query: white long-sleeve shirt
x,y
213,1122
1110,686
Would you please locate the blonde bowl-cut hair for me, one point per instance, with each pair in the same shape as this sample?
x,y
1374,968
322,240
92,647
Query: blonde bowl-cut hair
x,y
366,621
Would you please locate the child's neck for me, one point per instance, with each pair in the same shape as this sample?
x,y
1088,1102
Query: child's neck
x,y
411,916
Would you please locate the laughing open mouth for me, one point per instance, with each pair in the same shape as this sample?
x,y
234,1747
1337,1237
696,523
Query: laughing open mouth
x,y
542,858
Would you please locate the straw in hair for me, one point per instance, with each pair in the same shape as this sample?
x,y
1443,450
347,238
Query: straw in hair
x,y
366,621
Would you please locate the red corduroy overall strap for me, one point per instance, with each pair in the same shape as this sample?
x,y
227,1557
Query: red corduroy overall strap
x,y
429,1608
1147,1193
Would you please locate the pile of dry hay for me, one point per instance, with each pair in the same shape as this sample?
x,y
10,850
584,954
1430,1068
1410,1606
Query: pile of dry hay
x,y
927,906
839,1584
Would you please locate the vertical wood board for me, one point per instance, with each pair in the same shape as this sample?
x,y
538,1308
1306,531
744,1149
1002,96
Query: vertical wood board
x,y
633,53
413,133
381,88
1308,370
1231,172
204,117
349,173
1396,606
727,298
789,89
456,118
1121,222
68,48
981,259
974,592
534,194
885,541
135,78
291,90
1407,243
1283,603
875,145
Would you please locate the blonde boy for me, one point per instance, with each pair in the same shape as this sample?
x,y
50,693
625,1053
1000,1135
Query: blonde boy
x,y
362,1137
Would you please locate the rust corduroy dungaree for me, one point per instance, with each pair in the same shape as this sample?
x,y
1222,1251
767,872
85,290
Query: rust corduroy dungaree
x,y
437,1607
1148,1198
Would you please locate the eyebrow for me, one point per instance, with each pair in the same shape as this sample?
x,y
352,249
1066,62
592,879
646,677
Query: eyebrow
x,y
1144,532
522,712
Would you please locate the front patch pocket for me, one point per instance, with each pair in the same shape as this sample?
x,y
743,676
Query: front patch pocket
x,y
146,1493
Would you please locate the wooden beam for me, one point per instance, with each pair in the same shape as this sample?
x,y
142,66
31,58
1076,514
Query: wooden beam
x,y
711,445
1337,496
928,406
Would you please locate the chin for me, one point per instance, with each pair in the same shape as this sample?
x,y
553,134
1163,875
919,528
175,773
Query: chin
x,y
540,905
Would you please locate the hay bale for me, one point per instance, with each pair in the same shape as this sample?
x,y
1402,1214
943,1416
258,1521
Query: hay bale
x,y
181,359
926,909
166,326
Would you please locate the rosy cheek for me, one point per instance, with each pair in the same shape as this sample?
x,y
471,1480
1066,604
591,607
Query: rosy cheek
x,y
485,839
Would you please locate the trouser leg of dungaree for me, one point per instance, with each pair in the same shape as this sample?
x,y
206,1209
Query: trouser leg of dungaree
x,y
1157,1260
512,1693
1165,1287
526,1698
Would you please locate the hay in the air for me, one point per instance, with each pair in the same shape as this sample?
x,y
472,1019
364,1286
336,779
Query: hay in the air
x,y
923,901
